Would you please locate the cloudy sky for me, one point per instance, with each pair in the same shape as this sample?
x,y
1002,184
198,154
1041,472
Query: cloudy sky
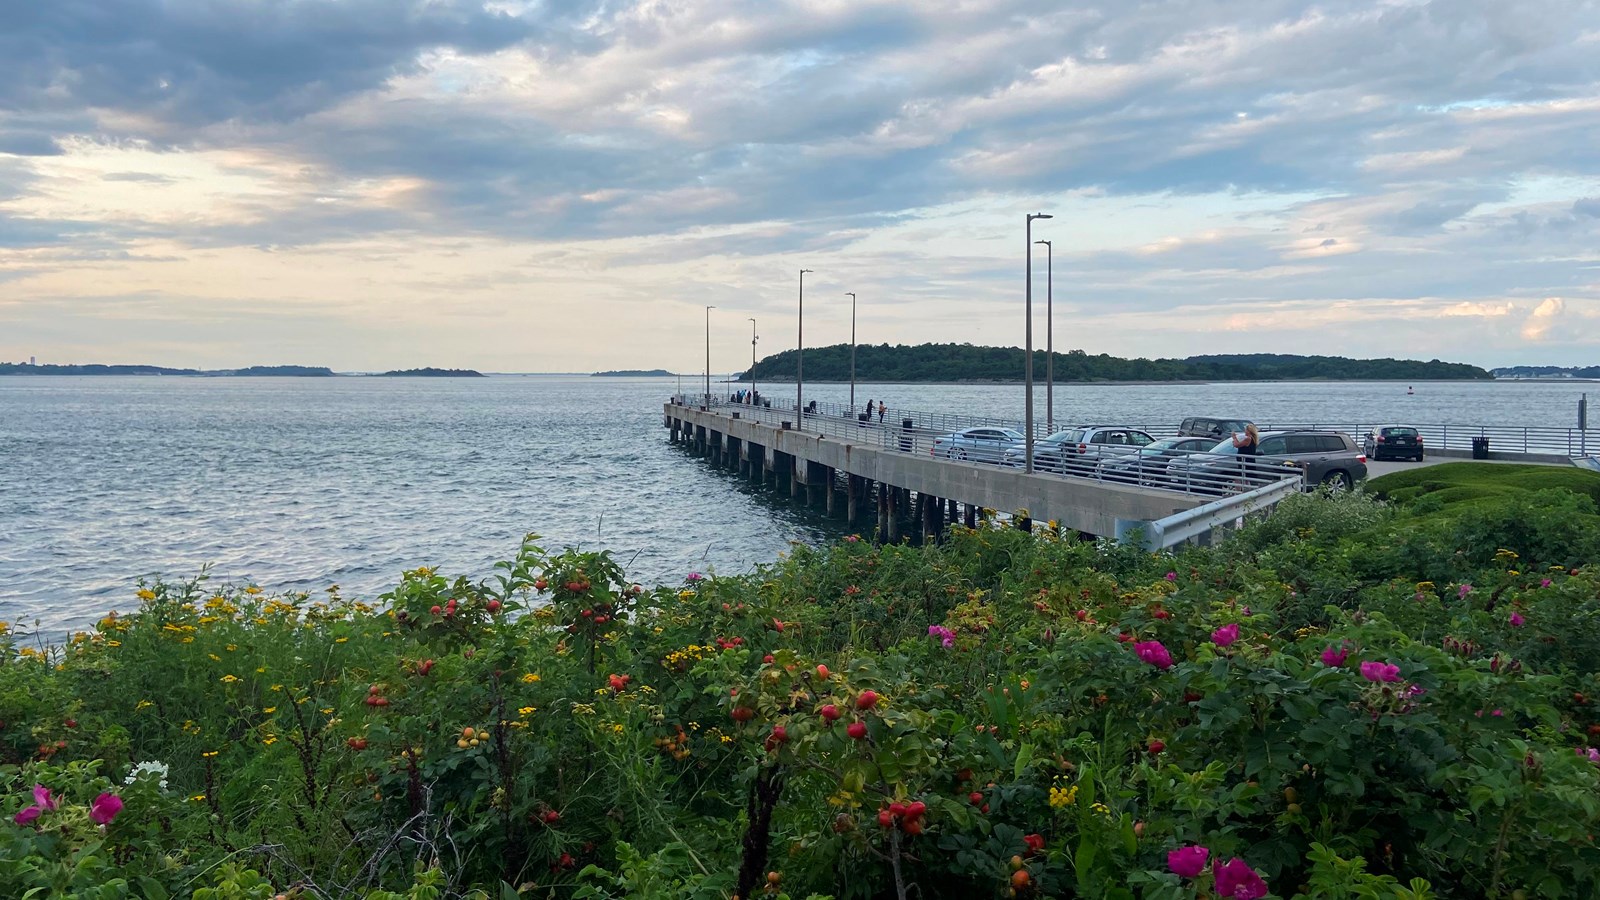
x,y
563,185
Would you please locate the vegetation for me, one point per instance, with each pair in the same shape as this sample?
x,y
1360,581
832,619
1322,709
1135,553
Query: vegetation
x,y
296,371
1465,482
1547,372
430,372
1349,699
634,373
965,362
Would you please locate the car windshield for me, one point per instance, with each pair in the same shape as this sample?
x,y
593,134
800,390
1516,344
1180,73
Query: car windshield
x,y
1400,432
1012,435
1065,437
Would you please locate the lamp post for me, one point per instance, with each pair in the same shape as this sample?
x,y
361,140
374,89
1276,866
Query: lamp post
x,y
708,355
800,358
1027,365
1049,338
752,357
852,351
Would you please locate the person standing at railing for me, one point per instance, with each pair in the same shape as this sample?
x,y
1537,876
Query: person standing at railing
x,y
881,410
1248,446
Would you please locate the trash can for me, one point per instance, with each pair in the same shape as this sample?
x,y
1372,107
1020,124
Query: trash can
x,y
863,418
907,440
1480,448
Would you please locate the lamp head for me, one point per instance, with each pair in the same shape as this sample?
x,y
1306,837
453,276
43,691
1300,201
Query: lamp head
x,y
805,271
1046,243
1040,216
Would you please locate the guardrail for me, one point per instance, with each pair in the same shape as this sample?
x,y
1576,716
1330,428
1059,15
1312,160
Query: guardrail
x,y
1567,442
1199,523
1196,474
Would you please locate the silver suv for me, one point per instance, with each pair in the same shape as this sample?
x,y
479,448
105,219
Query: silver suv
x,y
1077,451
1326,457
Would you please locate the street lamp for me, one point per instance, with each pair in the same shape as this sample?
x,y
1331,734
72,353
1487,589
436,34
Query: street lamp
x,y
708,355
752,357
852,351
1049,338
800,357
1027,365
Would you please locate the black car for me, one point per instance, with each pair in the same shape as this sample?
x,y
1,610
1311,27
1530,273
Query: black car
x,y
1393,442
1214,428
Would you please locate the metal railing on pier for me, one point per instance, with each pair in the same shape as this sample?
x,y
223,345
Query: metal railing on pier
x,y
1572,443
1201,474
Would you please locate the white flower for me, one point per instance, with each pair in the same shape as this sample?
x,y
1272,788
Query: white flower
x,y
158,769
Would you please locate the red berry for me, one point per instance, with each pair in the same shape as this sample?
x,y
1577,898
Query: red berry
x,y
436,609
975,798
913,827
492,606
857,730
551,817
1157,746
743,714
767,659
897,809
884,818
829,712
72,723
601,620
822,672
916,809
867,700
540,584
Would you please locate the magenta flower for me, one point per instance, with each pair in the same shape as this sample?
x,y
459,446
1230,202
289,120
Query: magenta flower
x,y
1379,671
1516,619
1592,755
1153,653
1464,591
1237,881
1172,576
1225,635
693,577
1332,658
42,801
1544,583
945,635
105,808
1187,862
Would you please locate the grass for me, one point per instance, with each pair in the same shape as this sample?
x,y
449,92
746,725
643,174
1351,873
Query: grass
x,y
1465,483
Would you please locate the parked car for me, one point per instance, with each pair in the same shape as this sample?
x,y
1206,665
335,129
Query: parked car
x,y
1393,442
1077,451
1216,429
1149,464
1324,457
986,444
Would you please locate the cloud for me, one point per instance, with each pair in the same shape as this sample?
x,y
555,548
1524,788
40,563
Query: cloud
x,y
1544,317
1197,156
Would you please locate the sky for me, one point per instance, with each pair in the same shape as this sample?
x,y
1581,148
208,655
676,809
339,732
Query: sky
x,y
565,185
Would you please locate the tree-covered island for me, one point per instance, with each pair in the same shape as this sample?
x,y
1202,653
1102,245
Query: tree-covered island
x,y
969,363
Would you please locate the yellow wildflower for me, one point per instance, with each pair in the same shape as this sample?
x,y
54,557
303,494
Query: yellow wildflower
x,y
146,594
252,589
229,679
269,740
530,678
210,753
341,640
197,798
526,710
269,710
214,657
1063,797
113,643
143,704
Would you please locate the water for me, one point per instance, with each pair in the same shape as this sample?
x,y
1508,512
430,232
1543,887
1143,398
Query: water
x,y
299,483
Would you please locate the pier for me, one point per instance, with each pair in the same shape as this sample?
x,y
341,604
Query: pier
x,y
871,473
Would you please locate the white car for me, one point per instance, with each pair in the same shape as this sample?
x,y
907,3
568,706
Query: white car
x,y
983,444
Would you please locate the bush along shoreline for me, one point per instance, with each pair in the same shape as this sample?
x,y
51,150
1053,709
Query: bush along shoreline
x,y
1350,699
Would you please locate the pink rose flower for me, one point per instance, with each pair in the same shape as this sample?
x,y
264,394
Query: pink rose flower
x,y
1380,671
1237,881
1517,620
1225,635
1187,862
1332,658
1464,591
105,808
1153,653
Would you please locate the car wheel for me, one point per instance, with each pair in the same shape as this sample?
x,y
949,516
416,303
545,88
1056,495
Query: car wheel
x,y
959,454
1419,457
1337,481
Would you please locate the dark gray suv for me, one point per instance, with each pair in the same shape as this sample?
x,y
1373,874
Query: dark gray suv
x,y
1214,428
1326,457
